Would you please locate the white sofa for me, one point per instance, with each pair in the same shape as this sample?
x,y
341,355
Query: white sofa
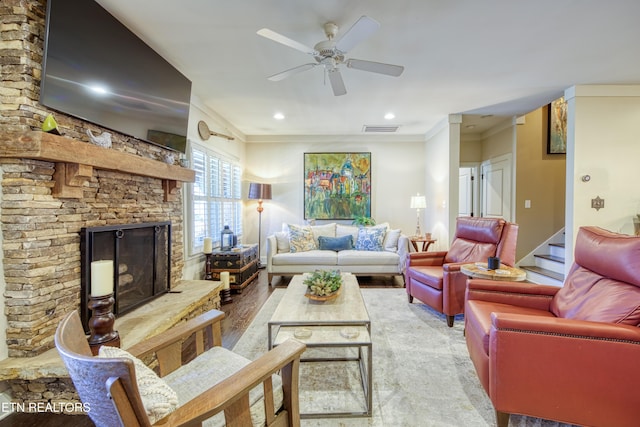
x,y
386,261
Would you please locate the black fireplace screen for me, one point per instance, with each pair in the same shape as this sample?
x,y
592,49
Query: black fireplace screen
x,y
141,255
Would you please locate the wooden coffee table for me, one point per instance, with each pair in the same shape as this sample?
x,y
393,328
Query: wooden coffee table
x,y
339,323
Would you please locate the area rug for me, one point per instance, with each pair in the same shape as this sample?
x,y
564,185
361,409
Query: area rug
x,y
422,374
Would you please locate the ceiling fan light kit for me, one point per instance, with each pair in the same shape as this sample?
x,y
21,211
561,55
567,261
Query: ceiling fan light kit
x,y
331,53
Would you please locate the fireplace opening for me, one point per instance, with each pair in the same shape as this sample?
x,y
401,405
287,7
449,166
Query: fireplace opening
x,y
141,255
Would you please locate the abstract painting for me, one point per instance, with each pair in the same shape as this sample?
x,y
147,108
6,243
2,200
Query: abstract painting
x,y
557,138
337,185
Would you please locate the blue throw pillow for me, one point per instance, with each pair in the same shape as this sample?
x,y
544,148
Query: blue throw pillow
x,y
370,238
335,243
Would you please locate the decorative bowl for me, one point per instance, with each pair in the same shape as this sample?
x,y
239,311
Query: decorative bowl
x,y
323,285
328,297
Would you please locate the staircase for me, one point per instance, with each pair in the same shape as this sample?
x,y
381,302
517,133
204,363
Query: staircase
x,y
546,264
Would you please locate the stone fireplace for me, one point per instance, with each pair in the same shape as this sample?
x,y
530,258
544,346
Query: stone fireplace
x,y
53,186
43,222
142,259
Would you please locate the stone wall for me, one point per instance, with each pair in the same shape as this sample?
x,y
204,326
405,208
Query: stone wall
x,y
41,242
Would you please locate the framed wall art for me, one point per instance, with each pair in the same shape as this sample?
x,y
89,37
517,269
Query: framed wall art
x,y
557,135
337,185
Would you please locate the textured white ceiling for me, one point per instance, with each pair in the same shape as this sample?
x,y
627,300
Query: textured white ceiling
x,y
500,57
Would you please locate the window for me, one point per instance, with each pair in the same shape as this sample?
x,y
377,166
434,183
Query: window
x,y
216,197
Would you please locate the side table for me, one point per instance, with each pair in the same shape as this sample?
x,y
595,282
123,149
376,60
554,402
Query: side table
x,y
425,243
479,270
241,262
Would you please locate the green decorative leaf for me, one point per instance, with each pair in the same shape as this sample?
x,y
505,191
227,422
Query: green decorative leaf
x,y
323,282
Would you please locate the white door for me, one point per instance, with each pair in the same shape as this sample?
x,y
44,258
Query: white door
x,y
466,180
496,188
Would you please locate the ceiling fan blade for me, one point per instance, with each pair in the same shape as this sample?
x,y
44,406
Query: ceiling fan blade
x,y
291,71
279,38
361,30
375,67
337,84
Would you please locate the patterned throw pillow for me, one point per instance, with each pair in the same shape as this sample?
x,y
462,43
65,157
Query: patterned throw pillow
x,y
370,238
301,238
158,398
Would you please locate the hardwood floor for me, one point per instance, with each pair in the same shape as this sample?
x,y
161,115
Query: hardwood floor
x,y
238,316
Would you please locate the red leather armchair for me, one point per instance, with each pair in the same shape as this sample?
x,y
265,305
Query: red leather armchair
x,y
435,277
568,354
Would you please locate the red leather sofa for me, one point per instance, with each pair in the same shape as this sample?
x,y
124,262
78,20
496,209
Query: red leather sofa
x,y
570,354
435,277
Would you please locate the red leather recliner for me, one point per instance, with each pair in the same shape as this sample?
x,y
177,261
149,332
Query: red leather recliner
x,y
568,354
435,277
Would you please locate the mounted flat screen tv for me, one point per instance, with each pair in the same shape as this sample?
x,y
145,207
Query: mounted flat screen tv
x,y
97,70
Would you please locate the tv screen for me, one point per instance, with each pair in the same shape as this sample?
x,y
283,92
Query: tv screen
x,y
97,70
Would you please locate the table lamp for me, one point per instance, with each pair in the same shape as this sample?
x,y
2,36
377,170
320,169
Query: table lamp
x,y
418,202
259,192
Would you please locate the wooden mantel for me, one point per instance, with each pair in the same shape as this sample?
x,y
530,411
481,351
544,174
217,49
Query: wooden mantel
x,y
75,161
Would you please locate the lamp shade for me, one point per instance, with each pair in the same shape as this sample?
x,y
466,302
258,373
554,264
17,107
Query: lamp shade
x,y
418,202
259,191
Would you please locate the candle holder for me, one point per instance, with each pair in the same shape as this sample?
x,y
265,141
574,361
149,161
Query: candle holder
x,y
225,296
101,323
207,268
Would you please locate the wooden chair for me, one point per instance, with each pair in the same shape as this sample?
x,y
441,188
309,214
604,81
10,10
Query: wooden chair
x,y
109,388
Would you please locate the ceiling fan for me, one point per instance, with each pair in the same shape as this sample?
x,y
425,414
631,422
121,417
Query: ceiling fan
x,y
331,53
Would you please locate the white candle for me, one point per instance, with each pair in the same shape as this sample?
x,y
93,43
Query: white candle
x,y
208,245
224,278
101,278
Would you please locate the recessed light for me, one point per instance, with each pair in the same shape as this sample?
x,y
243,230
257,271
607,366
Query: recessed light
x,y
278,116
389,116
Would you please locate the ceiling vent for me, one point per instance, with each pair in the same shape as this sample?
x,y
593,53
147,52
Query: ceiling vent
x,y
381,128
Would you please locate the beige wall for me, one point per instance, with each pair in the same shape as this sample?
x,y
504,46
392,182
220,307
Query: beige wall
x,y
397,173
540,178
498,141
438,155
602,142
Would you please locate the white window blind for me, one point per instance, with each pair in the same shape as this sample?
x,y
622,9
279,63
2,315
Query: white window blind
x,y
216,197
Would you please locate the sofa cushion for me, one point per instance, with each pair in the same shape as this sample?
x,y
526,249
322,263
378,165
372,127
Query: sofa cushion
x,y
344,230
335,243
391,238
282,242
355,257
301,238
310,258
328,230
370,238
602,289
158,398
